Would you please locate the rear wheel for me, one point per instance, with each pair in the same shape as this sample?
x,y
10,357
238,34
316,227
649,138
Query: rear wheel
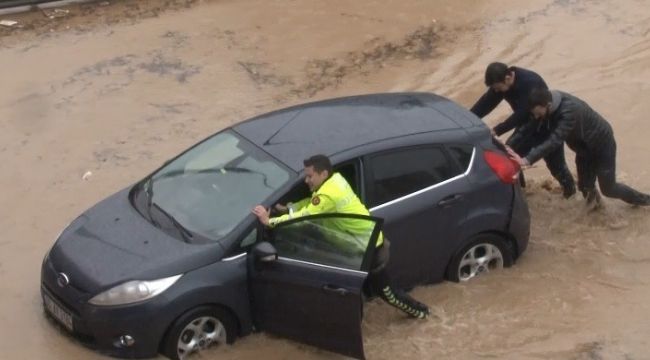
x,y
487,252
198,330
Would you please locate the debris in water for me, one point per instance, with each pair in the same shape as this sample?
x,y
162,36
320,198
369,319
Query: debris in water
x,y
8,23
56,13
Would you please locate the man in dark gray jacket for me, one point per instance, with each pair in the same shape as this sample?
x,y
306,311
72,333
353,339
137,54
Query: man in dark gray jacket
x,y
562,117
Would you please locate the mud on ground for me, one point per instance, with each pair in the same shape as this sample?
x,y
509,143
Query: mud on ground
x,y
114,90
83,17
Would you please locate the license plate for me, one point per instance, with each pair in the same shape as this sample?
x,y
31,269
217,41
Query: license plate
x,y
57,312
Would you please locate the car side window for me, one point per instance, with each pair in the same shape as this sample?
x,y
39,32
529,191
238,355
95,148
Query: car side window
x,y
349,172
402,172
249,240
462,154
333,241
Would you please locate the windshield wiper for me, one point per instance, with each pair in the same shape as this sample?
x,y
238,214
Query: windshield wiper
x,y
249,171
185,234
148,190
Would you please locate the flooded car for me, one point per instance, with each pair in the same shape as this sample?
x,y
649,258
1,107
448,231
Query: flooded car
x,y
177,264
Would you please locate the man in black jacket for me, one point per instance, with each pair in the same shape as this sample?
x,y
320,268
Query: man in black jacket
x,y
562,117
514,84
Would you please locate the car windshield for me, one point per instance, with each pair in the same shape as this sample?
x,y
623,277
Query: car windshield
x,y
213,186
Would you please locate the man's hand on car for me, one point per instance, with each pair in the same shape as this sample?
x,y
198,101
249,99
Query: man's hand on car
x,y
262,214
282,209
523,162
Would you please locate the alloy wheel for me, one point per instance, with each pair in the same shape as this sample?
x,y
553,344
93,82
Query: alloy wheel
x,y
200,334
479,259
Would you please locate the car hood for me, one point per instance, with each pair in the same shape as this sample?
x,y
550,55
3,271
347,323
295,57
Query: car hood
x,y
112,243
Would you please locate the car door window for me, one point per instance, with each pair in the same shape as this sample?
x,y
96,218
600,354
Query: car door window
x,y
402,172
250,239
339,240
300,191
349,172
462,154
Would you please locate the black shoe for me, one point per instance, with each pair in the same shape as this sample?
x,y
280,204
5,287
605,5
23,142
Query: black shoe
x,y
645,201
593,196
594,201
568,191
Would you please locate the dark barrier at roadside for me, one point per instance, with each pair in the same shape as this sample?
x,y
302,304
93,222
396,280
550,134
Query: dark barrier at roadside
x,y
14,3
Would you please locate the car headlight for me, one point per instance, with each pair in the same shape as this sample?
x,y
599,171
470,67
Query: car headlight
x,y
133,291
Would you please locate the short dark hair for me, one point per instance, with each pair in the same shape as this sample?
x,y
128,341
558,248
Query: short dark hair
x,y
496,72
320,163
539,97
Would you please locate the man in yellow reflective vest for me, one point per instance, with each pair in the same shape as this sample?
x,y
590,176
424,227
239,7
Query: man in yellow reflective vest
x,y
331,193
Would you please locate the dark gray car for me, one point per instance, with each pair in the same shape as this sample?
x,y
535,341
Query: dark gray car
x,y
177,263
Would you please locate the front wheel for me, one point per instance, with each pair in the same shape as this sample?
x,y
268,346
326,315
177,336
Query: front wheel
x,y
196,331
488,252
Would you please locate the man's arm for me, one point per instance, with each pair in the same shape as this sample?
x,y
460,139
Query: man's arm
x,y
297,206
316,205
513,121
566,122
520,115
290,207
486,103
522,133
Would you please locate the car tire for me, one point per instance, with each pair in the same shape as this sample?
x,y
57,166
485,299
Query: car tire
x,y
484,253
197,330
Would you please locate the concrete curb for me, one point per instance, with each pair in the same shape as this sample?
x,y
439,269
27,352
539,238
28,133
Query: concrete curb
x,y
34,5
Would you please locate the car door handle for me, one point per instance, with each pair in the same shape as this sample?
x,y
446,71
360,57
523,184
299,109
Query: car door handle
x,y
335,289
449,200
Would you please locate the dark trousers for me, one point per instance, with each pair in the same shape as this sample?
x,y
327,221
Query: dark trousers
x,y
555,162
601,164
380,284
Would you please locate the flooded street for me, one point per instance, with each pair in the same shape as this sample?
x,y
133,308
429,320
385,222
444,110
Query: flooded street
x,y
117,89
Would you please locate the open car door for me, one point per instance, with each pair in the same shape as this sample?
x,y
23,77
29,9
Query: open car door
x,y
307,279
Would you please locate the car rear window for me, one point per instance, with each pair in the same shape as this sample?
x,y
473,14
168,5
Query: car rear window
x,y
402,172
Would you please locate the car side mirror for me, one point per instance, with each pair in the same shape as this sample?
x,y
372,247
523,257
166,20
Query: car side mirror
x,y
265,252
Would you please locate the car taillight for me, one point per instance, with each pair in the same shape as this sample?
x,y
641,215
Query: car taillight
x,y
506,169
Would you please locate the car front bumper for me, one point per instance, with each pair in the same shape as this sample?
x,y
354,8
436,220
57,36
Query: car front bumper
x,y
129,331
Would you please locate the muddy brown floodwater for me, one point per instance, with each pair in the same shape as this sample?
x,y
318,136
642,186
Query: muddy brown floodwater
x,y
119,88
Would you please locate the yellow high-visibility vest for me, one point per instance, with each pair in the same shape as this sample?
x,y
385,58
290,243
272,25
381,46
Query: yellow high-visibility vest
x,y
334,196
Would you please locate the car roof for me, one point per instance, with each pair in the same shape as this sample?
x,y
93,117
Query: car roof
x,y
332,126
